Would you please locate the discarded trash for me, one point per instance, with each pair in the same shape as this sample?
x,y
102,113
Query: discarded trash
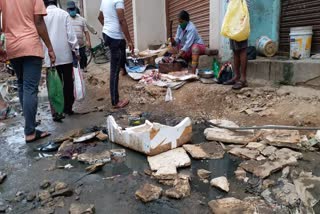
x,y
95,157
85,137
68,166
307,187
69,136
112,177
169,160
203,174
95,168
3,176
148,193
48,147
77,208
205,150
150,138
221,183
102,136
118,152
169,96
317,137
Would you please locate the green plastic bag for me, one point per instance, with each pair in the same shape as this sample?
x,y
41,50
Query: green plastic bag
x,y
55,90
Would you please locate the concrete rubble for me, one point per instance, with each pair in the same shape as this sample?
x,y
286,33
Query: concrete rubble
x,y
282,138
205,150
95,157
180,190
102,136
241,174
85,137
227,136
77,208
244,153
203,174
148,193
221,183
168,161
256,146
230,206
150,138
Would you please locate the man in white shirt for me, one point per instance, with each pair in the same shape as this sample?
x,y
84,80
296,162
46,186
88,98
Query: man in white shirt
x,y
115,31
64,41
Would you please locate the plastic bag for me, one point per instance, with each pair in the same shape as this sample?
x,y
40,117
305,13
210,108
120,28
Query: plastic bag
x,y
55,90
79,85
236,23
169,96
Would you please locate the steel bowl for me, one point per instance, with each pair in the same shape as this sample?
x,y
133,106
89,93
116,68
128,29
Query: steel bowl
x,y
206,74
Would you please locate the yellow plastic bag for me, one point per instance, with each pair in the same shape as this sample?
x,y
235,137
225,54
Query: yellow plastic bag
x,y
236,23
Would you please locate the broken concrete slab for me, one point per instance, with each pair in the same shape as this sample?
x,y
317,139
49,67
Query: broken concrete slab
x,y
211,150
228,136
67,192
285,153
244,153
166,173
221,183
95,157
269,150
59,186
3,176
263,169
173,158
148,193
308,189
282,138
77,208
261,158
150,138
203,174
44,195
230,206
285,194
256,146
180,190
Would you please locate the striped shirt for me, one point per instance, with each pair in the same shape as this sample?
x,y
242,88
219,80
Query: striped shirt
x,y
79,25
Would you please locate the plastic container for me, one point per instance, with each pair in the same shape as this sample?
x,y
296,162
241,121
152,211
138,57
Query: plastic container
x,y
300,42
266,47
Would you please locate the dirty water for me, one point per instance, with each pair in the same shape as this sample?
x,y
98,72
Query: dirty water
x,y
26,169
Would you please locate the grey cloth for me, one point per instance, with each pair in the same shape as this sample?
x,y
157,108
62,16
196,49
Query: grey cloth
x,y
28,71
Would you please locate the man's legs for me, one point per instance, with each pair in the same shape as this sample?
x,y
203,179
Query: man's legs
x,y
244,63
28,70
83,59
66,75
117,48
197,51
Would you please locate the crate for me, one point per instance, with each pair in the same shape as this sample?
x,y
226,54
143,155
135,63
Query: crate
x,y
169,67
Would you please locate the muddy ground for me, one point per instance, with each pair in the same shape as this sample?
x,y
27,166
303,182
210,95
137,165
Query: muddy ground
x,y
27,169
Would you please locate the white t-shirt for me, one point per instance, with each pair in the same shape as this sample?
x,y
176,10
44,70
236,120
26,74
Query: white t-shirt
x,y
111,25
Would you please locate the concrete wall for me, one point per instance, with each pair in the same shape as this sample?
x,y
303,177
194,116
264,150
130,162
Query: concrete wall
x,y
265,20
149,22
91,12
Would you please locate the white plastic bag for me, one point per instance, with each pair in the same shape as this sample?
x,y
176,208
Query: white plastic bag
x,y
169,96
79,85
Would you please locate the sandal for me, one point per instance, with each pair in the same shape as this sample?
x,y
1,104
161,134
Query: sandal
x,y
38,135
48,147
240,85
121,104
230,82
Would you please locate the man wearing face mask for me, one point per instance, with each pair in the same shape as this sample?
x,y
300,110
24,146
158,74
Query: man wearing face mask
x,y
80,28
188,41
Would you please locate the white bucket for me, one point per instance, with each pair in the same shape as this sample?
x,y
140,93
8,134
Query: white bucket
x,y
300,42
266,47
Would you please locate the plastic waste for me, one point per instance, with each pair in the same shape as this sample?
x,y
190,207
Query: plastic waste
x,y
55,90
79,85
215,68
169,96
236,23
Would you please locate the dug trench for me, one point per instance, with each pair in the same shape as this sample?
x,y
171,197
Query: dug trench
x,y
113,189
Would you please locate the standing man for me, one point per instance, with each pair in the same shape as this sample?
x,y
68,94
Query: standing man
x,y
115,28
80,28
23,26
64,41
239,49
